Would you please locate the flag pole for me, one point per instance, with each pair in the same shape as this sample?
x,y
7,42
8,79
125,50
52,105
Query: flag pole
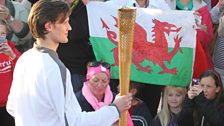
x,y
126,21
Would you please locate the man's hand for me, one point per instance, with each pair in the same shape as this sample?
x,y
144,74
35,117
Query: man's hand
x,y
116,123
123,103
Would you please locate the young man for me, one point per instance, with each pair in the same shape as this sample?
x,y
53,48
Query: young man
x,y
41,93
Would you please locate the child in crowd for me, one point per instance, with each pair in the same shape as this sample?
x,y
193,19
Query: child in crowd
x,y
204,105
173,98
139,111
8,58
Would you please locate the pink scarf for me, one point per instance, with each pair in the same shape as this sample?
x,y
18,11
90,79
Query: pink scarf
x,y
92,100
130,123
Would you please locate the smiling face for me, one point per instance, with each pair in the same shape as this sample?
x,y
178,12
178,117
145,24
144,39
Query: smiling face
x,y
59,31
98,84
174,98
209,87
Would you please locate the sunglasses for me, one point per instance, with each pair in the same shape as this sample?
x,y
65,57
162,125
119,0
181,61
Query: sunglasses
x,y
97,63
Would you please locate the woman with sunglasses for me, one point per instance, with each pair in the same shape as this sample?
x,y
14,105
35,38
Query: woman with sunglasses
x,y
96,91
204,105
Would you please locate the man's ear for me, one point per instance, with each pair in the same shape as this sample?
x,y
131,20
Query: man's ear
x,y
48,26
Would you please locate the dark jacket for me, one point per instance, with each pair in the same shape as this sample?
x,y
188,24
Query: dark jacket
x,y
173,122
202,110
140,114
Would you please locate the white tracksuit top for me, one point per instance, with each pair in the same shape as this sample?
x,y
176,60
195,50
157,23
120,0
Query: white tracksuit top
x,y
37,96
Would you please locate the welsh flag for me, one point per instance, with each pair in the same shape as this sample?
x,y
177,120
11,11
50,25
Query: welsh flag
x,y
164,43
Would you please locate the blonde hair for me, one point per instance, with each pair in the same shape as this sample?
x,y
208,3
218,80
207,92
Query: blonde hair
x,y
165,113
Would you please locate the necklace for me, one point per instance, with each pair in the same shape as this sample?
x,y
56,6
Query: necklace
x,y
180,6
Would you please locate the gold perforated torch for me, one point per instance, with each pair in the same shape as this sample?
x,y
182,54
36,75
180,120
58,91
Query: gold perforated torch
x,y
126,21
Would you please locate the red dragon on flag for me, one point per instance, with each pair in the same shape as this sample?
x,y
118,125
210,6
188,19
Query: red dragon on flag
x,y
156,51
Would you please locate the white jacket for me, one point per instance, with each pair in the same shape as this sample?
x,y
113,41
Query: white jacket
x,y
37,96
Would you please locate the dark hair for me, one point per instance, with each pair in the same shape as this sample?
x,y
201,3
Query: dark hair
x,y
215,75
218,83
97,63
136,85
44,11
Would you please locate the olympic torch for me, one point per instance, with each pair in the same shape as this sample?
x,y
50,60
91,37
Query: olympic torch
x,y
126,21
